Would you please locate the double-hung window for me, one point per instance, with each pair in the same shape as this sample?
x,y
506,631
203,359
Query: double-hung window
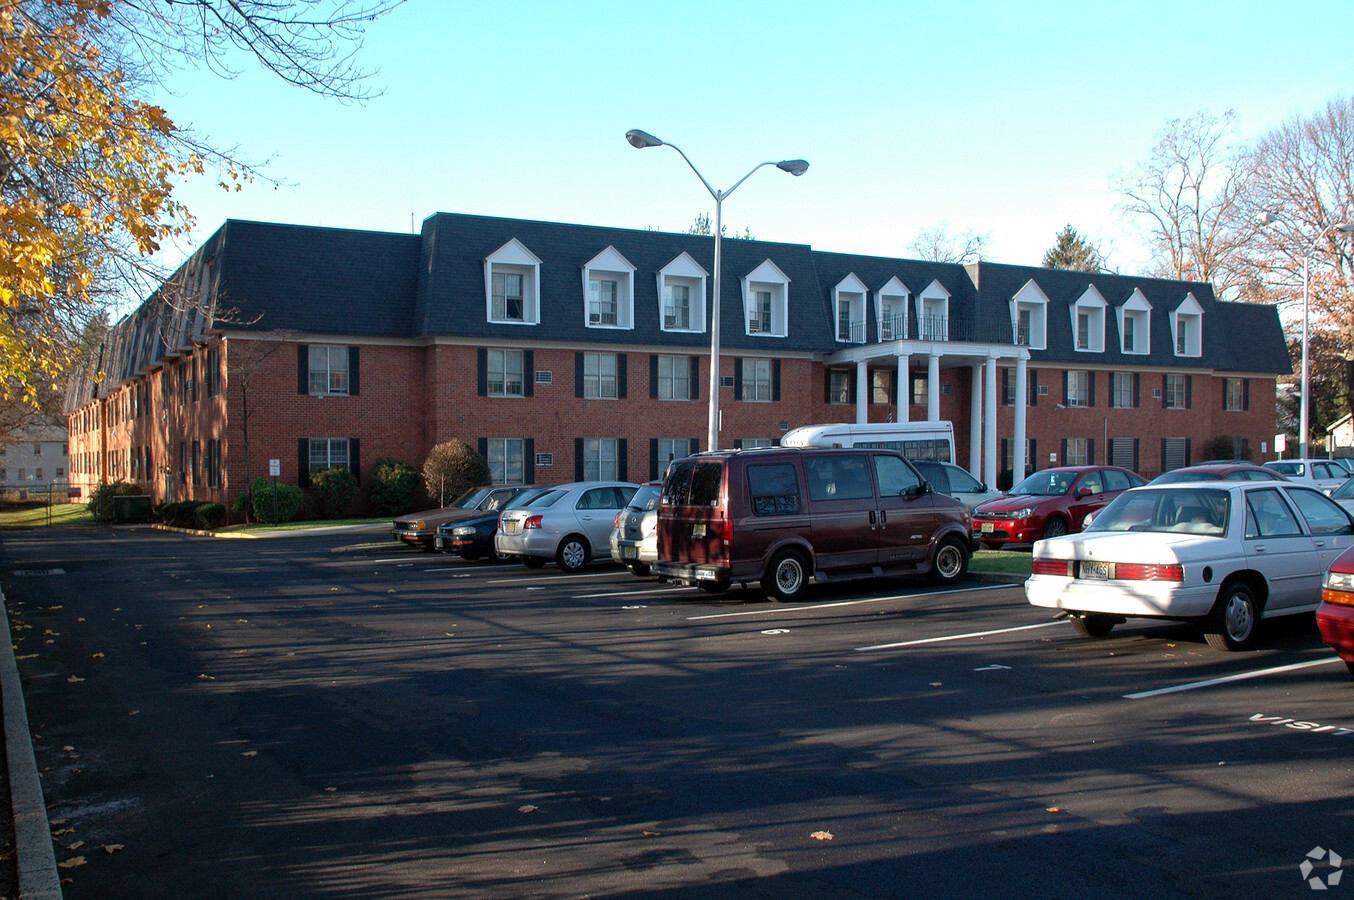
x,y
506,460
599,376
759,319
1078,388
674,377
757,380
328,369
507,297
504,375
1174,395
1234,394
599,459
601,302
677,307
328,453
1122,394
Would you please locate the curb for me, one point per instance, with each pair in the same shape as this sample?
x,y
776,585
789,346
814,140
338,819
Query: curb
x,y
34,856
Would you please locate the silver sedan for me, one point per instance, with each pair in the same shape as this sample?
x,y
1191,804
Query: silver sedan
x,y
567,524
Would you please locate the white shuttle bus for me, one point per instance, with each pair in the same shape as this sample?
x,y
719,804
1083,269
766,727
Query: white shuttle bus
x,y
915,440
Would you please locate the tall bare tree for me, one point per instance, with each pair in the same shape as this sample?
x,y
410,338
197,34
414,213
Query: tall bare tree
x,y
1188,197
940,243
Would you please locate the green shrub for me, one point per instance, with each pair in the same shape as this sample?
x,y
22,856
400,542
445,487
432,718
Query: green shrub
x,y
451,469
333,490
100,503
289,501
392,486
210,516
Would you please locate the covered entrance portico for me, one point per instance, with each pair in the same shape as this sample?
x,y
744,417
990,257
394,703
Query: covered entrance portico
x,y
982,359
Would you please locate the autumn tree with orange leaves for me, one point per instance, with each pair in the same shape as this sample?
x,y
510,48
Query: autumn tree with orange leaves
x,y
88,166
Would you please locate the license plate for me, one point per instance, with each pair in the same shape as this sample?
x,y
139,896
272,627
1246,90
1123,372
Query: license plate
x,y
1095,571
698,531
987,528
629,553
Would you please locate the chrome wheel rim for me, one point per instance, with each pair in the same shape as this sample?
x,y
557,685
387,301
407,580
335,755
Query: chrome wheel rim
x,y
1239,617
789,576
949,561
574,555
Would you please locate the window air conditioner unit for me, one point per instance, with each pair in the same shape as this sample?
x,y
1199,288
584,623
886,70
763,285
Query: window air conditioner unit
x,y
1156,393
545,376
545,459
594,319
753,326
726,381
1043,390
669,321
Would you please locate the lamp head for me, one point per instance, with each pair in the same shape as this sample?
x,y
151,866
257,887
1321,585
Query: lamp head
x,y
641,139
795,167
1265,218
1345,227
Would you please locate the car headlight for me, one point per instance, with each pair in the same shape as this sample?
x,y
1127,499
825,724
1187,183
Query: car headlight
x,y
463,531
1339,581
1022,513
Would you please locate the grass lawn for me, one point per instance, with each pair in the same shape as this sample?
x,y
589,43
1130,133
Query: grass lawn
x,y
38,516
1009,562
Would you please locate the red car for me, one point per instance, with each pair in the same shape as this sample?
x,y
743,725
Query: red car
x,y
1335,615
1049,503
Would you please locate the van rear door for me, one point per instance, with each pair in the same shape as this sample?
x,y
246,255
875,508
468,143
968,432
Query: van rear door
x,y
691,513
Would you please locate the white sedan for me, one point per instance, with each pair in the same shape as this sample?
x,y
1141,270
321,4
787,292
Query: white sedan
x,y
1224,554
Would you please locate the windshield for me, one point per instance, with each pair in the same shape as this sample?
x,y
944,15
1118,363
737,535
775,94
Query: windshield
x,y
1287,468
470,499
1189,510
1344,491
1052,483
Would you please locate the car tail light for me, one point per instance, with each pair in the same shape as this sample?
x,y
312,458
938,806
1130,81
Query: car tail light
x,y
616,523
531,522
1061,567
1146,572
727,536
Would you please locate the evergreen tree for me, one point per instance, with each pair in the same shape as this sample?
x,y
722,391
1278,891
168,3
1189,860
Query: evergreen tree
x,y
1073,252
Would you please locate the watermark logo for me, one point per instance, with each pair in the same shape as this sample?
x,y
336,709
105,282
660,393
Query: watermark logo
x,y
1321,857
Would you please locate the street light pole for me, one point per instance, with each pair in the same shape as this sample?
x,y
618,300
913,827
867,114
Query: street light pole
x,y
1304,399
642,140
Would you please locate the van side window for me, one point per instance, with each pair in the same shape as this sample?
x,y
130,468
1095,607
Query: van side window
x,y
896,478
838,477
774,490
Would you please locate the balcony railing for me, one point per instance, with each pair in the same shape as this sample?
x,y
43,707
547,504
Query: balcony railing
x,y
936,328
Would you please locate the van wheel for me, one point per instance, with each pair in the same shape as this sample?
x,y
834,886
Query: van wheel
x,y
1234,619
788,577
950,563
572,554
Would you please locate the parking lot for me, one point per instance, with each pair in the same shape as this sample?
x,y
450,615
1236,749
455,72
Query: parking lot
x,y
275,718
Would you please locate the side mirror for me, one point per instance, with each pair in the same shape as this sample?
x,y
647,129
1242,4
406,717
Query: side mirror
x,y
1083,492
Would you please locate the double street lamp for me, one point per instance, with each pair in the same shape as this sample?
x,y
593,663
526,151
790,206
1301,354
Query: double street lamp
x,y
642,140
1268,218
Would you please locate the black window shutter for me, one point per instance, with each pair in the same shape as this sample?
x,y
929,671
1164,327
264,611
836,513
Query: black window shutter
x,y
302,369
1090,451
653,459
1032,462
528,373
621,379
354,370
482,372
529,461
1034,387
1137,386
578,455
1063,458
1188,459
1163,454
775,380
653,376
1163,403
484,447
1005,385
695,445
355,458
622,459
578,381
1005,450
738,378
1189,391
827,385
1224,394
1066,397
1135,454
193,379
738,443
695,378
1245,393
302,461
1090,389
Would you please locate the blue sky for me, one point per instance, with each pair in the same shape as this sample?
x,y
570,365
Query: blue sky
x,y
1004,117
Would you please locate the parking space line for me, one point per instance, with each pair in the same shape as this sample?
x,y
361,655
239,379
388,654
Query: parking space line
x,y
542,578
958,637
779,609
1240,676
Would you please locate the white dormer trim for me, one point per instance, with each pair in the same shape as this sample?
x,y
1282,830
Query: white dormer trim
x,y
514,259
609,267
1090,307
1187,328
766,282
893,296
1030,302
682,272
848,309
933,312
1135,321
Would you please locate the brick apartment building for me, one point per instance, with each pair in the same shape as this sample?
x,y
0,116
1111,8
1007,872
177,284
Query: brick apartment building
x,y
565,351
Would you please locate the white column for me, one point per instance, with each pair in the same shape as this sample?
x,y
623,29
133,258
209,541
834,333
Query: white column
x,y
904,386
990,426
1022,396
862,393
933,388
975,423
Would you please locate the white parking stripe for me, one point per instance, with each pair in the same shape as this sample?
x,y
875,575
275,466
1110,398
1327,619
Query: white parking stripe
x,y
1240,676
958,637
538,579
779,609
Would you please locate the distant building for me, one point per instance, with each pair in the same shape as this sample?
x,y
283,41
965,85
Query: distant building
x,y
566,352
35,456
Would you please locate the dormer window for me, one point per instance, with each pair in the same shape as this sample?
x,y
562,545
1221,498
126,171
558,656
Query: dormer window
x,y
891,310
765,300
1029,317
933,321
608,283
1088,321
511,282
1187,328
849,301
681,292
1135,325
